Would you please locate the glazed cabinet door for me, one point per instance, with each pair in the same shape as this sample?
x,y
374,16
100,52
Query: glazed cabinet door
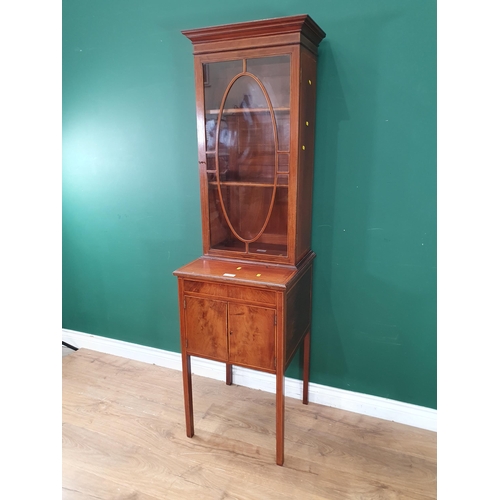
x,y
252,336
247,149
206,327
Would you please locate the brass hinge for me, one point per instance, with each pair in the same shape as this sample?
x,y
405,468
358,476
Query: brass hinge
x,y
274,361
275,319
184,303
186,341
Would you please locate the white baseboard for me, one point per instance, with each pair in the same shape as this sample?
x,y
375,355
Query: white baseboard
x,y
374,406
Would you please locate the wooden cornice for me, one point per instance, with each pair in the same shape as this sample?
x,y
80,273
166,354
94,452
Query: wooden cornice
x,y
301,24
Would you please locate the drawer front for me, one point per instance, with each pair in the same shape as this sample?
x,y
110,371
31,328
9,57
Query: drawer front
x,y
205,288
236,292
249,294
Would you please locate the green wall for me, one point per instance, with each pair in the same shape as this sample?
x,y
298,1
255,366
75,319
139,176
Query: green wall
x,y
131,212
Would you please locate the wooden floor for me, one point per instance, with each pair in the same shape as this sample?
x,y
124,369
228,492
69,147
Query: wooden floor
x,y
124,437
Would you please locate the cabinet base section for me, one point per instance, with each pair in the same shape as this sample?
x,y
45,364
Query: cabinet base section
x,y
280,395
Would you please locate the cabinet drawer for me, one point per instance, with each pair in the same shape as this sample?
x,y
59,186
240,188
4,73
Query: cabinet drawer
x,y
252,295
239,293
202,287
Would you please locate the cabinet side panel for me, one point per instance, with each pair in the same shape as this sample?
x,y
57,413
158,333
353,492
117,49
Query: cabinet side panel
x,y
294,154
307,119
298,313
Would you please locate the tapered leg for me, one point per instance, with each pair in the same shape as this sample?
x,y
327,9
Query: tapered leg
x,y
280,418
229,374
307,353
188,394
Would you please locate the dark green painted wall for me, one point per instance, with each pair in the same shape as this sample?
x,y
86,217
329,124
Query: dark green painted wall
x,y
131,212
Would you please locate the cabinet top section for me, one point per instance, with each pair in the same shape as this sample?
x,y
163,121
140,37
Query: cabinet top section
x,y
291,29
248,273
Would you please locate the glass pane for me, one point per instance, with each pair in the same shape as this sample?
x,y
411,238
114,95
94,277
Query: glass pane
x,y
247,208
245,169
210,163
274,73
216,78
283,180
247,148
283,162
273,240
221,236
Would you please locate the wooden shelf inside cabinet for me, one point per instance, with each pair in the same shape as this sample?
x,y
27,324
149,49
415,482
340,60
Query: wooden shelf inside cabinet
x,y
236,111
246,184
247,301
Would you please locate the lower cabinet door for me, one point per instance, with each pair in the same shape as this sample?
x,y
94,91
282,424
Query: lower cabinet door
x,y
206,327
252,336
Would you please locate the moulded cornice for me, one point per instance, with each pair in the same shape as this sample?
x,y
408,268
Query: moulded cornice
x,y
303,24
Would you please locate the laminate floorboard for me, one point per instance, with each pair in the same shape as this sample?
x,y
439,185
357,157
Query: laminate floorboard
x,y
123,437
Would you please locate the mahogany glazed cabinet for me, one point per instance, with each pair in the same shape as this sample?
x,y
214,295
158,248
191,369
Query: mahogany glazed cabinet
x,y
247,300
